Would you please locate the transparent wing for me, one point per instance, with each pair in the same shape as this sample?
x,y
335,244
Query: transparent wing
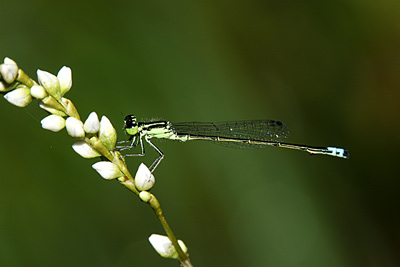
x,y
255,130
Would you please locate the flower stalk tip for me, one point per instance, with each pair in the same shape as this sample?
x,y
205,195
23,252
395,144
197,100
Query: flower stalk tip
x,y
9,61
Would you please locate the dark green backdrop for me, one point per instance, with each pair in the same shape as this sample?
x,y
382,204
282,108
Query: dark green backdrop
x,y
328,69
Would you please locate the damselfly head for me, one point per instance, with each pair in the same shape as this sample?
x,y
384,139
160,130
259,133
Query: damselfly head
x,y
130,122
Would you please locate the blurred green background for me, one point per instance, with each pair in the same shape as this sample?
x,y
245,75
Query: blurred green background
x,y
328,69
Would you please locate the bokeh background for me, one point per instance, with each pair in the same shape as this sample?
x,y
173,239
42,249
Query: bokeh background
x,y
328,69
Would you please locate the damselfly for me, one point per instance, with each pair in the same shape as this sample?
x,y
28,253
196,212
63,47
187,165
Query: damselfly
x,y
238,134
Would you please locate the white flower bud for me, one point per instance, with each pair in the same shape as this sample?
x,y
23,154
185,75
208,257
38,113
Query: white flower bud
x,y
65,78
50,83
19,97
92,124
8,72
144,179
38,92
107,134
164,246
107,170
8,60
53,123
86,151
74,127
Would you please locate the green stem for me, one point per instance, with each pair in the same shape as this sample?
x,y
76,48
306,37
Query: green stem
x,y
183,257
24,78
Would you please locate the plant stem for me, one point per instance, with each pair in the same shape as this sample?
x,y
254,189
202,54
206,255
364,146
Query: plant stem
x,y
183,257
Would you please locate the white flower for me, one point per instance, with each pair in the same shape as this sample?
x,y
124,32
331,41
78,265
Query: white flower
x,y
74,127
86,151
38,92
50,83
65,78
107,134
144,179
164,246
107,170
53,123
92,124
19,97
9,72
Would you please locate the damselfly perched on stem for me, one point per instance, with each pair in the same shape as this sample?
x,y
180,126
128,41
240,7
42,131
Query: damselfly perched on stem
x,y
238,134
